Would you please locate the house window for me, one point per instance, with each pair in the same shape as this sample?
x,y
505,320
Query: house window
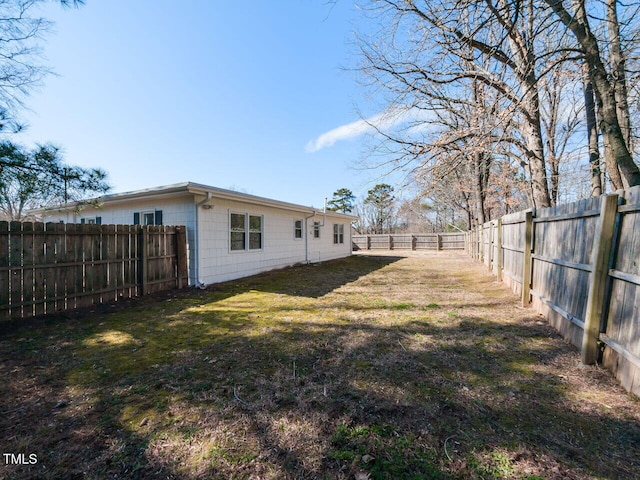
x,y
316,229
255,232
338,233
148,218
238,232
91,220
245,231
297,229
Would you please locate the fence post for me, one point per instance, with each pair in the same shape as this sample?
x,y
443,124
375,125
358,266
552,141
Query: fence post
x,y
475,244
481,243
414,241
600,254
526,263
476,250
499,250
181,257
390,242
491,252
438,242
368,242
144,256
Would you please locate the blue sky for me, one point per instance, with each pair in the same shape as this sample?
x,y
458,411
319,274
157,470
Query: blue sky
x,y
256,96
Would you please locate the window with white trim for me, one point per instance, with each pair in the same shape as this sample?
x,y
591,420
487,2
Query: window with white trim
x,y
297,229
316,229
255,232
338,233
245,232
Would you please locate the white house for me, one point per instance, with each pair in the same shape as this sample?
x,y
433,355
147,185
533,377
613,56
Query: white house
x,y
229,234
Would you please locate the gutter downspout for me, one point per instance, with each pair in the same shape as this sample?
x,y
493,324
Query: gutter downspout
x,y
196,241
306,230
306,237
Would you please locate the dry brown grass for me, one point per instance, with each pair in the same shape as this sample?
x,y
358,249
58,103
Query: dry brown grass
x,y
368,367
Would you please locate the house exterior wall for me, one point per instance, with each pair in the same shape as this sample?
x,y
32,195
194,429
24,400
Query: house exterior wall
x,y
280,247
323,248
176,210
211,259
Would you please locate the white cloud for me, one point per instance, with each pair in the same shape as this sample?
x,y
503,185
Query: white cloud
x,y
382,121
343,132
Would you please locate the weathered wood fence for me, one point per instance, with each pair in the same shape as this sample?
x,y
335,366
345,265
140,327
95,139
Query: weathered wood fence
x,y
579,266
410,241
46,268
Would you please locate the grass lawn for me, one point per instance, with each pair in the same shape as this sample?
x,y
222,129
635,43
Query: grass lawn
x,y
375,367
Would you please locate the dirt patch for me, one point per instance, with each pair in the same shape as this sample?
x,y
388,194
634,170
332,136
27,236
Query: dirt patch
x,y
368,367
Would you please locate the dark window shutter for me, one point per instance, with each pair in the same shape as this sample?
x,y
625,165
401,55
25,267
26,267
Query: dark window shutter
x,y
98,220
82,220
158,219
136,218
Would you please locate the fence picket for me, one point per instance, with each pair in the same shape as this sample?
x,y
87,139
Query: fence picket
x,y
53,267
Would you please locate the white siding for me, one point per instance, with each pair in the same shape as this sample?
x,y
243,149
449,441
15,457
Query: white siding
x,y
280,248
175,211
323,248
215,261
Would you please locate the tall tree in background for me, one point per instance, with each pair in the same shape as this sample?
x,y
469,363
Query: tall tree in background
x,y
484,85
381,201
592,133
342,201
609,84
456,46
21,64
38,178
561,116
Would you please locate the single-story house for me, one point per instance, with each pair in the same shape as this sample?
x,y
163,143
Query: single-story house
x,y
229,234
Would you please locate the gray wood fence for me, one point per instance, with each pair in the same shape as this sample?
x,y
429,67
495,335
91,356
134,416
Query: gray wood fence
x,y
46,268
579,266
410,241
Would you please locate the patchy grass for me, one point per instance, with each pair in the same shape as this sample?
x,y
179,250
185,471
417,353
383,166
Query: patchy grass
x,y
378,366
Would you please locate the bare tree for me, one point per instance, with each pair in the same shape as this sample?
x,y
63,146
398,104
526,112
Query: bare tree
x,y
608,84
592,134
460,44
561,117
21,64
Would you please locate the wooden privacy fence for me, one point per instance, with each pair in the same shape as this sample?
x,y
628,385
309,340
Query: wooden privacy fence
x,y
46,268
410,241
578,265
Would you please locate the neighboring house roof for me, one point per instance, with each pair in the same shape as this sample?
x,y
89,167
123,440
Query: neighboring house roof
x,y
190,188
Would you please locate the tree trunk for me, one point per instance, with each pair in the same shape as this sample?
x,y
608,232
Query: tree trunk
x,y
479,190
480,173
592,134
525,71
533,133
617,156
618,74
